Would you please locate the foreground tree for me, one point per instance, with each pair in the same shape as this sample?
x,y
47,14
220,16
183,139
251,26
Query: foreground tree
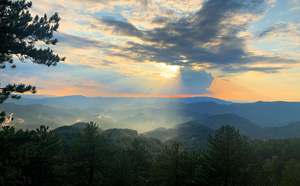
x,y
88,157
291,173
132,164
19,32
229,158
174,167
28,157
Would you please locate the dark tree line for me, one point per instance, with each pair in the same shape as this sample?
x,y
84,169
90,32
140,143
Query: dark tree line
x,y
88,156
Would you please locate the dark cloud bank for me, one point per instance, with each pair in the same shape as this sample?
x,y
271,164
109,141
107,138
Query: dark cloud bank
x,y
208,36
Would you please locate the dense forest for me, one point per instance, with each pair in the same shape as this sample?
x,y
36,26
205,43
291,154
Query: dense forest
x,y
83,154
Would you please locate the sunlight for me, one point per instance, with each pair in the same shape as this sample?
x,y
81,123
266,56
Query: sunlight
x,y
168,71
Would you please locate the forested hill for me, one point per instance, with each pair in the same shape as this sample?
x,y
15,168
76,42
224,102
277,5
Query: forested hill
x,y
203,127
265,114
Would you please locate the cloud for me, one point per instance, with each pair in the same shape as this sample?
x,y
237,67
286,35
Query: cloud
x,y
160,20
281,39
80,42
195,81
187,82
211,35
122,28
188,35
294,8
276,28
230,69
76,79
86,85
282,30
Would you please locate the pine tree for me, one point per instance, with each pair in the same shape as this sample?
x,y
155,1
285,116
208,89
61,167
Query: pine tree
x,y
174,167
88,157
228,158
28,157
132,165
19,32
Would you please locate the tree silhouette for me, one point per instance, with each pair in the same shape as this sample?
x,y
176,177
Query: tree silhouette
x,y
28,157
175,167
19,33
88,157
132,164
229,158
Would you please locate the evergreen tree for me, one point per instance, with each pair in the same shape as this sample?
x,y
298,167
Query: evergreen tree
x,y
132,165
270,172
174,167
19,32
88,157
48,149
228,158
28,157
291,173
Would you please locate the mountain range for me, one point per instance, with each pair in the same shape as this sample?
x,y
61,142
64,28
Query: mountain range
x,y
161,120
108,102
265,114
199,130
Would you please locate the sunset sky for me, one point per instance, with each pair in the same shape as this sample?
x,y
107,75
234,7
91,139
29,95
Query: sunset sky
x,y
228,49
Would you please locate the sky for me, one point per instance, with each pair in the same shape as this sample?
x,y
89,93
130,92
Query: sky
x,y
240,50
